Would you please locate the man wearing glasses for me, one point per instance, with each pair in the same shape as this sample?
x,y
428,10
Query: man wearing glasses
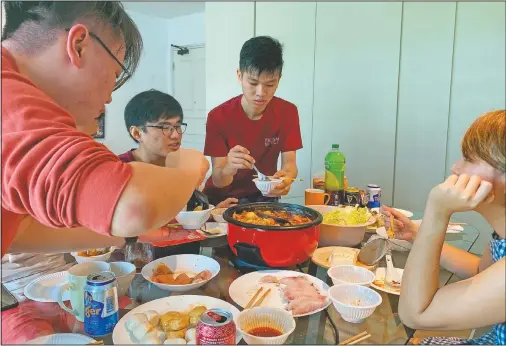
x,y
155,121
61,190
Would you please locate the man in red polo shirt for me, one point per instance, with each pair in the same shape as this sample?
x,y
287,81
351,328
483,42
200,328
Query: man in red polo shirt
x,y
253,128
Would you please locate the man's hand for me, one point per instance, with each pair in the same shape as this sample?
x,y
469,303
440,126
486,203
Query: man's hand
x,y
282,188
238,158
229,202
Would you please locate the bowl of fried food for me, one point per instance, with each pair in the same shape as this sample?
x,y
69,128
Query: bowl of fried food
x,y
93,255
181,273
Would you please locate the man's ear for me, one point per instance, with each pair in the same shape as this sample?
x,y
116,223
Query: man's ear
x,y
135,132
78,43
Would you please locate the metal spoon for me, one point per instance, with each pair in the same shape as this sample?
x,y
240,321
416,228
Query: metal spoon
x,y
261,176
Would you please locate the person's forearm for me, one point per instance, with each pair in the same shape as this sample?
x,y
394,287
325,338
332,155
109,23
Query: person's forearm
x,y
222,178
152,197
290,169
34,237
420,280
460,262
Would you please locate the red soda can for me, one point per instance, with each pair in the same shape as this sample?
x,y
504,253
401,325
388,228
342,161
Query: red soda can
x,y
216,327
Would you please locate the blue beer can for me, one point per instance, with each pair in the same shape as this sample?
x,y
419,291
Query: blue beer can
x,y
373,196
101,308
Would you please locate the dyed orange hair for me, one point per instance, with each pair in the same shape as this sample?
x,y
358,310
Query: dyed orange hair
x,y
485,140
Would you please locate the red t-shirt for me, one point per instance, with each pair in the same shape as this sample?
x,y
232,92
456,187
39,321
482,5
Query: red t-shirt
x,y
277,131
127,157
60,176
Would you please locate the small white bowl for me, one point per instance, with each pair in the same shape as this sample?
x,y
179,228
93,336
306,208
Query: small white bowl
x,y
125,273
180,264
265,317
354,302
217,214
266,187
100,258
194,219
350,274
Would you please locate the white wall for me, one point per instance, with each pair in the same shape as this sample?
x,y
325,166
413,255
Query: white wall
x,y
151,73
394,91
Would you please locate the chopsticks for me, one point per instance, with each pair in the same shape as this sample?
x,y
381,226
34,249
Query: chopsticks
x,y
99,342
356,339
250,303
457,224
391,232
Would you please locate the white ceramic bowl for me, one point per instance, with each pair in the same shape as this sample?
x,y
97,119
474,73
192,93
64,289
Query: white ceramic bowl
x,y
101,258
265,317
336,235
125,273
266,187
350,274
217,214
181,264
194,219
354,302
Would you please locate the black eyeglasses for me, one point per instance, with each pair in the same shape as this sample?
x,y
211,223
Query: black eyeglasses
x,y
168,129
125,75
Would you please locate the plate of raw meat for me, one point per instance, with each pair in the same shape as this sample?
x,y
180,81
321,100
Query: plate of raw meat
x,y
300,293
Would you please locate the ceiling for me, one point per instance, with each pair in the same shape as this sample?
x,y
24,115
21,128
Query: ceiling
x,y
165,9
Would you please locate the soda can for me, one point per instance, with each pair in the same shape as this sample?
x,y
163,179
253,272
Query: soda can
x,y
101,308
216,327
373,196
352,197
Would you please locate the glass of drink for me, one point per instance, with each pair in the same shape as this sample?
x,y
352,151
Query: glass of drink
x,y
139,254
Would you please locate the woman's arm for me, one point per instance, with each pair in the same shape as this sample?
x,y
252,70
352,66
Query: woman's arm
x,y
472,303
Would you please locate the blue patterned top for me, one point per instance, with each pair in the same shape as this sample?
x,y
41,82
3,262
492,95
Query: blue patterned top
x,y
497,336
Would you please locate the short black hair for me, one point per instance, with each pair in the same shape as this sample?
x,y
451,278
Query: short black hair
x,y
261,54
34,24
151,106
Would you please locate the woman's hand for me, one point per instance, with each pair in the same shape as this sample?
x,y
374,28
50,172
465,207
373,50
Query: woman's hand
x,y
459,193
229,202
404,228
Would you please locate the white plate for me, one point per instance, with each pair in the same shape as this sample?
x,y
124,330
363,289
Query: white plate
x,y
62,339
406,213
380,275
245,287
174,303
223,227
179,264
46,288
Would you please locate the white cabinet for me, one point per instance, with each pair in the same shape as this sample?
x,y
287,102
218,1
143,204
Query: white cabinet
x,y
423,101
355,89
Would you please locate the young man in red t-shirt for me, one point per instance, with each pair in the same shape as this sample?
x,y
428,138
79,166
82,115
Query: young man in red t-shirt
x,y
253,128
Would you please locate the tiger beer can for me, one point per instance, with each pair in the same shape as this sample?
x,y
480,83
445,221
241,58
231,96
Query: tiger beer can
x,y
101,308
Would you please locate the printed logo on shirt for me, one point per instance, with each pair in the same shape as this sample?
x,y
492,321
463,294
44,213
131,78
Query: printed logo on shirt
x,y
271,141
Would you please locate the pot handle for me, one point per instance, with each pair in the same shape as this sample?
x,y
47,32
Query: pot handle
x,y
250,254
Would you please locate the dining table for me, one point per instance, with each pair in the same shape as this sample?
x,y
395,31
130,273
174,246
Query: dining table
x,y
325,327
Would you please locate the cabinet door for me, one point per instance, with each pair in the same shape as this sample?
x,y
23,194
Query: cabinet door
x,y
424,99
355,91
297,34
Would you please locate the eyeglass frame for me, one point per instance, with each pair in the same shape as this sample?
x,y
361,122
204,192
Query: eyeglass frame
x,y
125,71
169,126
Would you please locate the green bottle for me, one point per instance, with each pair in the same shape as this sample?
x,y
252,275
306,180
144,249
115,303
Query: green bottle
x,y
335,164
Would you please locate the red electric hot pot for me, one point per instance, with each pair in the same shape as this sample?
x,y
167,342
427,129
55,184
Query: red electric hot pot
x,y
273,246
